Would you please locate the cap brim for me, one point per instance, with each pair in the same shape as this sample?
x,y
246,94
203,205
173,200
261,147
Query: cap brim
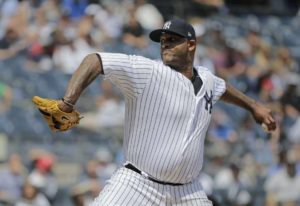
x,y
155,34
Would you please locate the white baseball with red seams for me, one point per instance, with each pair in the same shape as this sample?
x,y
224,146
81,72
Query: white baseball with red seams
x,y
164,131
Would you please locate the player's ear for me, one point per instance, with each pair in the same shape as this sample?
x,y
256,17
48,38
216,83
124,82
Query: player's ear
x,y
192,45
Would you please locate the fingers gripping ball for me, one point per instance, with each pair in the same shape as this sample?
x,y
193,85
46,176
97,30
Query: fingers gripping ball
x,y
265,127
55,118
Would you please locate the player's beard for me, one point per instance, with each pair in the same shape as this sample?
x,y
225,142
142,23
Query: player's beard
x,y
178,61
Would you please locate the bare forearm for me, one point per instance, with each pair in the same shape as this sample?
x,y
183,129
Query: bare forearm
x,y
260,113
88,70
236,97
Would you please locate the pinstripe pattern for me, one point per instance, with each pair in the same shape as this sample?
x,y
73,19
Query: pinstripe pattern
x,y
165,122
127,188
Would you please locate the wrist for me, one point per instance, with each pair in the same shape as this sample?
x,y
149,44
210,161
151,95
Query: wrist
x,y
67,102
63,106
252,106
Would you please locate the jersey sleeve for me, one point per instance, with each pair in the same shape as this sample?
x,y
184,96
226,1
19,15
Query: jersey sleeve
x,y
219,88
128,72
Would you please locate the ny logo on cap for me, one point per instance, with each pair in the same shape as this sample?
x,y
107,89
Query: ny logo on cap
x,y
167,25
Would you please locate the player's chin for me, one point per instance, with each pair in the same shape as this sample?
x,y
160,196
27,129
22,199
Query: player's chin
x,y
167,57
168,60
169,63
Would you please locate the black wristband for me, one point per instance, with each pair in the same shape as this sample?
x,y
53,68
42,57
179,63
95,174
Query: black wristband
x,y
67,103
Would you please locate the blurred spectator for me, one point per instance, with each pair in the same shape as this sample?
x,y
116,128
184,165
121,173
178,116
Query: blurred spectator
x,y
72,51
223,178
291,109
262,55
84,34
12,179
39,36
215,37
238,194
235,192
294,132
84,192
205,7
5,97
208,185
8,8
108,20
259,56
220,128
11,44
291,95
285,60
284,187
143,11
44,178
215,42
134,33
34,154
31,195
52,10
106,166
230,187
249,135
279,164
279,78
201,56
235,61
97,172
74,7
73,41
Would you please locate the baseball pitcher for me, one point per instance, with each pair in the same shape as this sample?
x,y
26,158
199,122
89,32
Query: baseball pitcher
x,y
168,110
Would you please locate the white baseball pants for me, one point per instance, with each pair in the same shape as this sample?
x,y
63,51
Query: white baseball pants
x,y
128,188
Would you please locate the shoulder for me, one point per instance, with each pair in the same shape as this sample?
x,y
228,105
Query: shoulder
x,y
207,74
121,56
204,73
142,59
157,64
203,70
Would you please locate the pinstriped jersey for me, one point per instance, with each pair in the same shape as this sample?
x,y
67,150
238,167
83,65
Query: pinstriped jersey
x,y
165,122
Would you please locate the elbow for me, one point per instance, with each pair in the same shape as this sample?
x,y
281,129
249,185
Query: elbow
x,y
224,97
94,61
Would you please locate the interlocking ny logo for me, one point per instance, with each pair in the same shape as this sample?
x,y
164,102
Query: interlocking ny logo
x,y
167,25
208,100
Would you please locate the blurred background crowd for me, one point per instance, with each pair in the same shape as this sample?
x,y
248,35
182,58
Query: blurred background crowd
x,y
254,45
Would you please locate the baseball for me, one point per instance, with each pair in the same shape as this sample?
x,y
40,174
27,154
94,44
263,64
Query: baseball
x,y
265,127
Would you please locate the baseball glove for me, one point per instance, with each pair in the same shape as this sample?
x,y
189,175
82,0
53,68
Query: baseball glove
x,y
57,120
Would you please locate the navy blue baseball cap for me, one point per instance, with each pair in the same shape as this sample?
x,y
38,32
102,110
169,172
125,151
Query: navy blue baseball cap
x,y
175,26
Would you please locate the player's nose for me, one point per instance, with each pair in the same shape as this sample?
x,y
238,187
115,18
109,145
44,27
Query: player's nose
x,y
164,45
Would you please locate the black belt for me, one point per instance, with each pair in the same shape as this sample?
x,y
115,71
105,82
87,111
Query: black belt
x,y
133,168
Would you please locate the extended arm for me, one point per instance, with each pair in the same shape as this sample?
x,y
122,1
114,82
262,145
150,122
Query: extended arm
x,y
88,70
60,114
260,113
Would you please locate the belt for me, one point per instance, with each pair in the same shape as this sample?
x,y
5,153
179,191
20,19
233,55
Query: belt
x,y
133,168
